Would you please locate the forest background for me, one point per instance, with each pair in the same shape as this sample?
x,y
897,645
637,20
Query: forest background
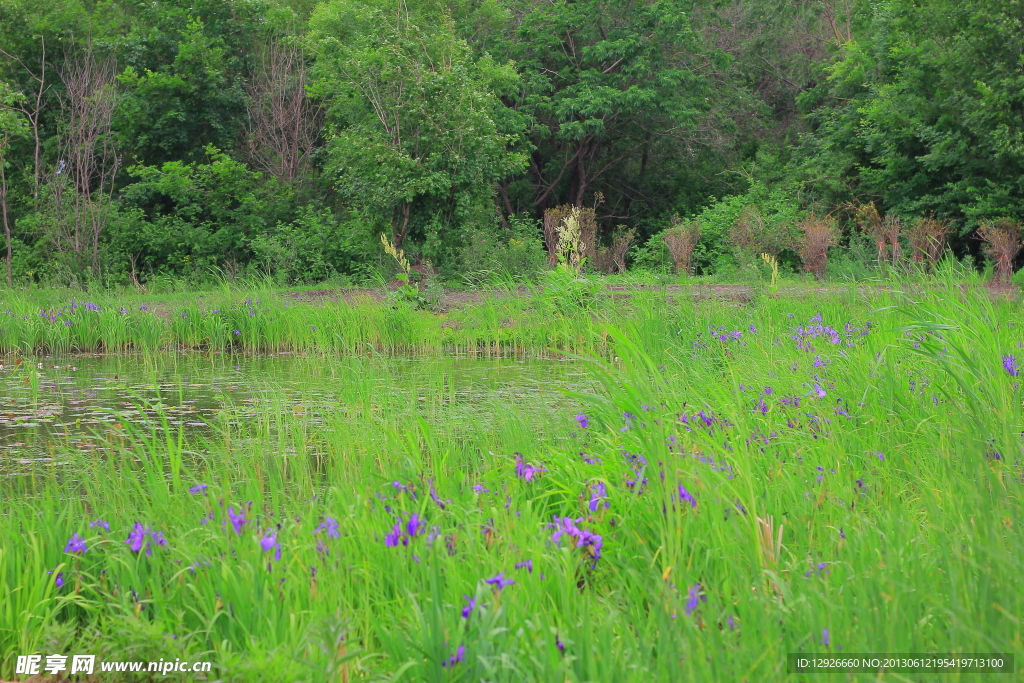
x,y
199,139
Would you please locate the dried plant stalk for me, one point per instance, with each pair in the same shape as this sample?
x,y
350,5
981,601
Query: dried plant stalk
x,y
818,233
1002,244
613,259
870,223
681,239
927,237
748,237
892,227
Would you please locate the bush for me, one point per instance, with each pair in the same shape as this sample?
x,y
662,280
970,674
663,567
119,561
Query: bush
x,y
776,211
314,247
514,254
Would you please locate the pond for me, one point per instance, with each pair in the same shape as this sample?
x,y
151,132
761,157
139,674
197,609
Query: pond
x,y
81,402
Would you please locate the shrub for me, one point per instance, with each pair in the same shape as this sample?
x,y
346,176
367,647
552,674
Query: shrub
x,y
516,254
777,211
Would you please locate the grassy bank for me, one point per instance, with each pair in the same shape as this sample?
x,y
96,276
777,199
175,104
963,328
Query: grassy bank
x,y
841,475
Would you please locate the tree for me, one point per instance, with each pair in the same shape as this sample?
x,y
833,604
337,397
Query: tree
x,y
88,160
11,126
415,143
33,115
284,125
622,101
924,110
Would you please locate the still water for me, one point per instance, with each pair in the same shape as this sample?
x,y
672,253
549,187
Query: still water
x,y
80,402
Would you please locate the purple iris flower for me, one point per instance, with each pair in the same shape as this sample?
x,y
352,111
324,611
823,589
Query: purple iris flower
x,y
99,523
824,637
198,488
459,656
470,606
75,544
525,564
59,581
685,495
392,539
499,581
599,493
237,519
330,525
582,419
693,598
527,472
1010,365
269,542
136,537
415,525
142,535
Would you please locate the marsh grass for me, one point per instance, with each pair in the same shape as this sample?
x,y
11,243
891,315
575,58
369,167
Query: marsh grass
x,y
869,502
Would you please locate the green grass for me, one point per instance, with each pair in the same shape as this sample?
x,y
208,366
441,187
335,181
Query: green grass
x,y
885,509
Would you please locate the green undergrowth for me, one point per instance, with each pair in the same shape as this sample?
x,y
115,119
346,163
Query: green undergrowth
x,y
735,483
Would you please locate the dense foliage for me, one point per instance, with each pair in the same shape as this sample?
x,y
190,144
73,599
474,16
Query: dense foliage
x,y
141,139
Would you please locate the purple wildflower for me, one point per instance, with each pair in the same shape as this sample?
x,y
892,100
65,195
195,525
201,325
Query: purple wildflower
x,y
1011,366
582,419
99,523
75,544
824,637
685,495
59,581
499,581
527,472
470,606
459,656
142,535
330,525
693,598
525,564
269,542
198,488
237,520
415,525
392,539
479,488
599,493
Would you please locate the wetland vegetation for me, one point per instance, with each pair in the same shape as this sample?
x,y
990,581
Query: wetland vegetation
x,y
653,488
